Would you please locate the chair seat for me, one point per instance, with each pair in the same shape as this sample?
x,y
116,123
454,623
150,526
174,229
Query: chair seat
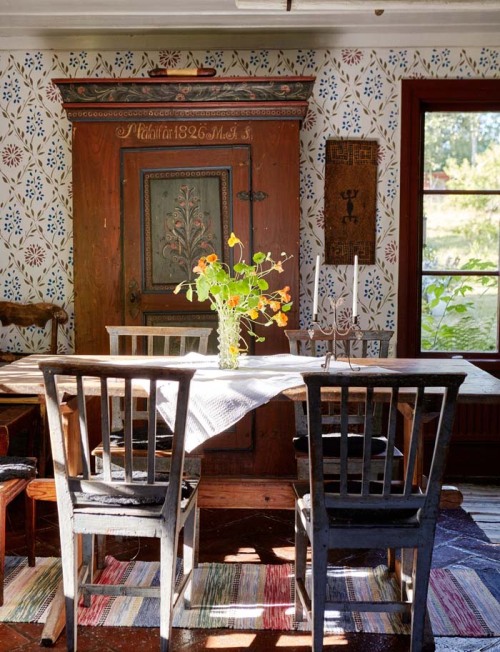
x,y
140,437
331,445
187,488
17,468
359,517
331,453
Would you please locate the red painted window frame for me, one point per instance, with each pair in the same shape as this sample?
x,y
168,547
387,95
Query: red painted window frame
x,y
417,97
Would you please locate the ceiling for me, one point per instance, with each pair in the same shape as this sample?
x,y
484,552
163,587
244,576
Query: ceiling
x,y
253,23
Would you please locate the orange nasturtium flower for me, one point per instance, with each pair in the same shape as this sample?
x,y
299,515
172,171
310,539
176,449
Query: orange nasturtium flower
x,y
275,305
284,294
263,301
212,258
253,313
233,301
200,267
280,318
233,350
278,267
233,240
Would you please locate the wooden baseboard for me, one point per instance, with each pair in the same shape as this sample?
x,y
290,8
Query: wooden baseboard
x,y
218,492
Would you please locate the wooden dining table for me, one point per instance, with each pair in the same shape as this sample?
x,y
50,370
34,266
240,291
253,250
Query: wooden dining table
x,y
24,377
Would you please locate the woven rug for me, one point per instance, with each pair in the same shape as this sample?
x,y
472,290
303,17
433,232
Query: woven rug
x,y
462,602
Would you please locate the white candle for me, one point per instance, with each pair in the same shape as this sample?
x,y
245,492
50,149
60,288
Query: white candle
x,y
316,290
355,289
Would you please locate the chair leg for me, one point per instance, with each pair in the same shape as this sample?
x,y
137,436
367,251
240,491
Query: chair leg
x,y
30,527
167,580
101,551
3,517
319,558
43,433
190,550
391,559
88,565
70,582
300,563
422,569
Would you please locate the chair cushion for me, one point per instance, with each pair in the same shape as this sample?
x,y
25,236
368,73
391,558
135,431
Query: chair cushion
x,y
361,516
139,476
17,467
331,445
140,437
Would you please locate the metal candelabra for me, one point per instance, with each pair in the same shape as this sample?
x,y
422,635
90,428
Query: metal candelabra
x,y
336,330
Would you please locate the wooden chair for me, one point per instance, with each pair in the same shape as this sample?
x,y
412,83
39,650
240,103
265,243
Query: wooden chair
x,y
126,503
16,410
22,414
10,489
149,340
365,513
157,340
32,314
373,343
153,340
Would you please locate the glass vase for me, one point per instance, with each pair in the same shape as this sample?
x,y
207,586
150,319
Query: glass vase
x,y
228,331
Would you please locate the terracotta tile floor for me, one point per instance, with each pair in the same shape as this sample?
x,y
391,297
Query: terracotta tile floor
x,y
226,535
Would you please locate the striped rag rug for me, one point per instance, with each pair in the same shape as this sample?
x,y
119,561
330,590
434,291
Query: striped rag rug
x,y
462,601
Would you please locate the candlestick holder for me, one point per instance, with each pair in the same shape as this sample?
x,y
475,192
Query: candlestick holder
x,y
337,332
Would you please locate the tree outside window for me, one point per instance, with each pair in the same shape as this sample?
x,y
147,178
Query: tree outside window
x,y
461,235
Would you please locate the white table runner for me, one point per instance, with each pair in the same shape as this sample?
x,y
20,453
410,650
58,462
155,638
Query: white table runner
x,y
219,399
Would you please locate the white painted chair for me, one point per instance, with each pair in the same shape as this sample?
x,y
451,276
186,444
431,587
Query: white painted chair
x,y
122,503
154,340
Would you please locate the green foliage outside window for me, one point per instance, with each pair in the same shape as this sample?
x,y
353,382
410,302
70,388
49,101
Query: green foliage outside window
x,y
459,310
451,320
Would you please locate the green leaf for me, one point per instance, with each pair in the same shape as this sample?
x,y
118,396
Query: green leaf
x,y
259,258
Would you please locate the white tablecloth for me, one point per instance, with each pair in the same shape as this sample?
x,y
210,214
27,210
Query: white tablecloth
x,y
219,399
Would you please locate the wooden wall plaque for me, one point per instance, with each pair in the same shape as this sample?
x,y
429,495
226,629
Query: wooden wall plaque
x,y
350,201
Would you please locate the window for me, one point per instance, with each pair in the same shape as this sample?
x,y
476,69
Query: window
x,y
450,219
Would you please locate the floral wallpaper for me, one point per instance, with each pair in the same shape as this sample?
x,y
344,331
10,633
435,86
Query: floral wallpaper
x,y
356,95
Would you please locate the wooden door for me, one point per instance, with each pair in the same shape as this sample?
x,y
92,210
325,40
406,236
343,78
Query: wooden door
x,y
178,204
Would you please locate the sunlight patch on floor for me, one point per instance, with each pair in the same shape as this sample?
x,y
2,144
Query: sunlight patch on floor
x,y
304,640
244,555
228,641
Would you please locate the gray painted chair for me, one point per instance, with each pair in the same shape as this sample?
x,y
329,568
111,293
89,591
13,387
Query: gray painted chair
x,y
364,513
121,503
374,343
